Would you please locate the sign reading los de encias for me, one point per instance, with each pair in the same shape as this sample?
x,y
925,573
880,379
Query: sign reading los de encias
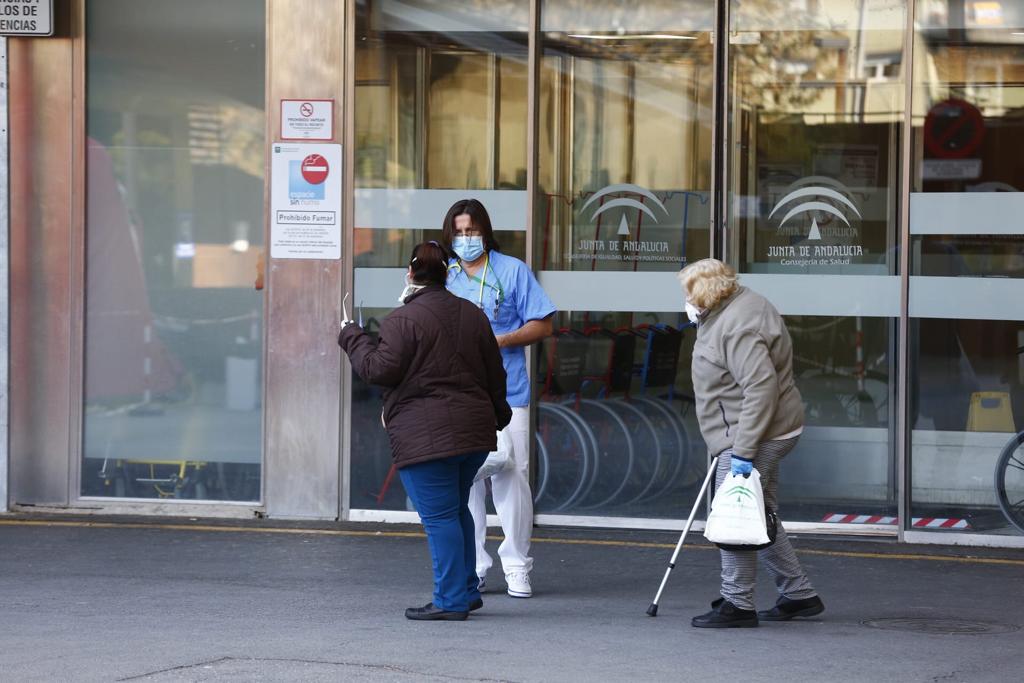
x,y
26,17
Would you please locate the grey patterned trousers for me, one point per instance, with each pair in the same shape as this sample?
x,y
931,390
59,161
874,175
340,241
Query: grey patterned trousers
x,y
739,568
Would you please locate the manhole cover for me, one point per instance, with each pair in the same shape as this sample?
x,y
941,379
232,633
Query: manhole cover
x,y
946,627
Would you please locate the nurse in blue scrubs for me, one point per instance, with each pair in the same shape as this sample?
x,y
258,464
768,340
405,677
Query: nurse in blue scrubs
x,y
520,313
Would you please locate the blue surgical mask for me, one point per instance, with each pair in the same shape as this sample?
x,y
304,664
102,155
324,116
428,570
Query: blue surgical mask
x,y
468,248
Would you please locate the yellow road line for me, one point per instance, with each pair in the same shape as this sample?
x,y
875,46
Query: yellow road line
x,y
910,556
208,527
536,539
807,551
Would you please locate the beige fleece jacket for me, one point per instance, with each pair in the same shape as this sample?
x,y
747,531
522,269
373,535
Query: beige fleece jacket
x,y
743,375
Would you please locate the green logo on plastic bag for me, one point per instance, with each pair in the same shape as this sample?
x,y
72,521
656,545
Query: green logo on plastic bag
x,y
740,490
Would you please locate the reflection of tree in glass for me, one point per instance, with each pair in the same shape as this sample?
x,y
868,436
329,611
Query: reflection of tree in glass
x,y
243,135
122,147
774,68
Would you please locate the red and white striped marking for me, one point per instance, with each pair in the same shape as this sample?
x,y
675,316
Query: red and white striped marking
x,y
859,519
939,523
887,520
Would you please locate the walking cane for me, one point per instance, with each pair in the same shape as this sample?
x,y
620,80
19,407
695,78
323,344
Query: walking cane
x,y
652,611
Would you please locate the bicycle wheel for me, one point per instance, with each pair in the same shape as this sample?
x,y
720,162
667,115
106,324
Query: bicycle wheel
x,y
675,442
543,466
590,469
614,455
1010,481
566,469
648,469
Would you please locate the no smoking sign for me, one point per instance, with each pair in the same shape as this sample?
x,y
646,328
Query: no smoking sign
x,y
306,119
305,200
953,129
314,169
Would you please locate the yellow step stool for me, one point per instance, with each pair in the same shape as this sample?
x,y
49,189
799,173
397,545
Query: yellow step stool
x,y
990,412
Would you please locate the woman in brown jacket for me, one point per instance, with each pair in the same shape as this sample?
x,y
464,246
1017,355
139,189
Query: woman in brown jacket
x,y
444,401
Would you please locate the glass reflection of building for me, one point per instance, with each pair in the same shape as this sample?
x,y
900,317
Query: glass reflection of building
x,y
853,160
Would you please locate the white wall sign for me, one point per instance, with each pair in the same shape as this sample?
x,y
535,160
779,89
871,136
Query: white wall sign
x,y
26,17
305,200
307,119
950,169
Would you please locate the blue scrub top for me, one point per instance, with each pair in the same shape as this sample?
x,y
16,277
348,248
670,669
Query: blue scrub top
x,y
510,296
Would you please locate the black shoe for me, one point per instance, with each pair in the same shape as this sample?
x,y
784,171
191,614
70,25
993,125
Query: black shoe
x,y
726,615
476,604
785,609
430,613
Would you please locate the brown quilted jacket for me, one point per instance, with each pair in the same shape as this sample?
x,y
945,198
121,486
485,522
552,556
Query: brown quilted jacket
x,y
445,384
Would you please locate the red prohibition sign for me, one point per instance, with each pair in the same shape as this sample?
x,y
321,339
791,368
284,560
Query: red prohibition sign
x,y
953,129
314,169
306,109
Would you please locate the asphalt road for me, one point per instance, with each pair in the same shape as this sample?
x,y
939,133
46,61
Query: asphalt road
x,y
152,603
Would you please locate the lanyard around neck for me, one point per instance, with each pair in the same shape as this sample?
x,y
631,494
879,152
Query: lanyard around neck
x,y
483,280
498,288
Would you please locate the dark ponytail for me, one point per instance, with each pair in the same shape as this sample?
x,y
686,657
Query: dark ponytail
x,y
429,264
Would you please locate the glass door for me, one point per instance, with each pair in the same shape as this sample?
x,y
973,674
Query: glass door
x,y
440,115
967,270
174,233
173,344
623,202
814,107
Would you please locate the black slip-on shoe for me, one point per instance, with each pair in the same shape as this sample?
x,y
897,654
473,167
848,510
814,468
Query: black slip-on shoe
x,y
476,604
785,609
430,613
726,615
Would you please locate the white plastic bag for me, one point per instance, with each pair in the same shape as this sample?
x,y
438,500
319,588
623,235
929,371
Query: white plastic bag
x,y
737,512
498,460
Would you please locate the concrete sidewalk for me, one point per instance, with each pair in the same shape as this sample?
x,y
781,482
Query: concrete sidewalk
x,y
168,602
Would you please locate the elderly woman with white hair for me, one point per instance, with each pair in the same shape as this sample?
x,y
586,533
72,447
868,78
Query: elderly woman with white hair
x,y
751,415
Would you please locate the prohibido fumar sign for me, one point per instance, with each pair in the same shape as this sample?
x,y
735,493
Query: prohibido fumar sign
x,y
26,17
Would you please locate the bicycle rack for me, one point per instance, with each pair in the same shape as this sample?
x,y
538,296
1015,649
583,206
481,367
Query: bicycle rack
x,y
595,450
600,362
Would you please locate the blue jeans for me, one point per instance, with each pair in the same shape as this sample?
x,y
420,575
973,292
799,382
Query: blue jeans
x,y
440,491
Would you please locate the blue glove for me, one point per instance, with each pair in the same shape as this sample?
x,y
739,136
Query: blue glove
x,y
741,465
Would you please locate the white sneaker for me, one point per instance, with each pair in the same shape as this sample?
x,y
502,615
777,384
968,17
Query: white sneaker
x,y
482,586
518,584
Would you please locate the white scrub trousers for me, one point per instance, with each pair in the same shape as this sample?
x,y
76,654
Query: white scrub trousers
x,y
510,490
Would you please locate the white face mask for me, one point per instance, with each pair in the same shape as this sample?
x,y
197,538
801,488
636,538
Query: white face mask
x,y
409,290
693,313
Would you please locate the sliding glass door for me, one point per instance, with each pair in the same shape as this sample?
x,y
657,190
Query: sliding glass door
x,y
622,203
967,269
814,108
440,115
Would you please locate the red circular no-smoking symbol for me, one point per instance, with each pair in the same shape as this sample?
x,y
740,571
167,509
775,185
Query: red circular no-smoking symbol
x,y
314,169
953,129
306,109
